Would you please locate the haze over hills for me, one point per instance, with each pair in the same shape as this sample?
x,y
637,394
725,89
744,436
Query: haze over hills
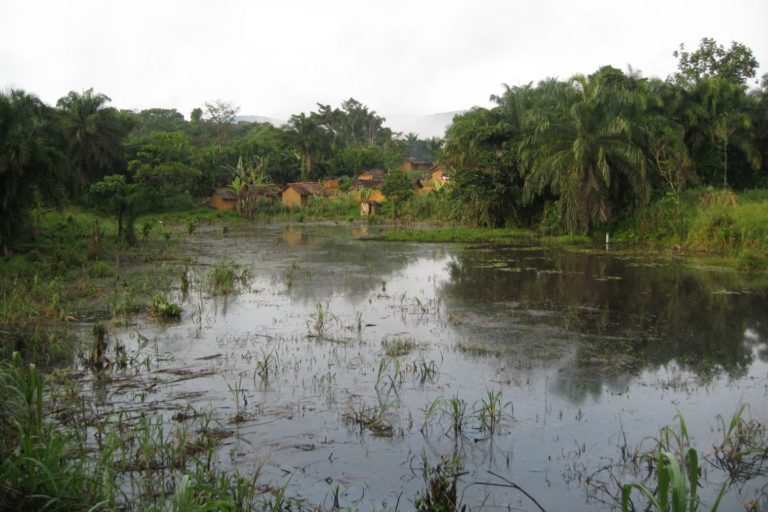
x,y
425,126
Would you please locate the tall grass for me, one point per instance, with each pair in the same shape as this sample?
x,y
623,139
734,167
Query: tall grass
x,y
677,473
705,220
138,463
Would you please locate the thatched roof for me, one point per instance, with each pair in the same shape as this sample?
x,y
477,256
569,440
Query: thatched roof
x,y
307,188
226,193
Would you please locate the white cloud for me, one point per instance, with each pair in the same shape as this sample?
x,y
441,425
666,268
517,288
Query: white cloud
x,y
281,57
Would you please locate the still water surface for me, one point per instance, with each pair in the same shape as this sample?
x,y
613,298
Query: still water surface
x,y
585,351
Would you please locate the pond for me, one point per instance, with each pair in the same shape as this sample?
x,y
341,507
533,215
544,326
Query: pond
x,y
345,367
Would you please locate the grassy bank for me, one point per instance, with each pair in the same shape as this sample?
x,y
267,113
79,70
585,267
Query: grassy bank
x,y
69,269
718,222
500,236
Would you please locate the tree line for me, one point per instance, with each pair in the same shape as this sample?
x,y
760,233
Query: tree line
x,y
129,162
569,154
576,154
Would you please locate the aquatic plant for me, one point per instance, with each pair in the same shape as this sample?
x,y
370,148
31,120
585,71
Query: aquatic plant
x,y
241,401
456,409
490,411
371,418
267,363
397,347
677,476
440,485
99,350
430,412
226,278
184,281
743,452
425,369
161,309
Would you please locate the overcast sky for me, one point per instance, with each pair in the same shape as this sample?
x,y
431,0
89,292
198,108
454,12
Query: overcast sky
x,y
277,58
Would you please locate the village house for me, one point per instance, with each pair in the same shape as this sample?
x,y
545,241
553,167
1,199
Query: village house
x,y
371,175
223,199
437,177
331,187
368,186
269,191
298,194
412,164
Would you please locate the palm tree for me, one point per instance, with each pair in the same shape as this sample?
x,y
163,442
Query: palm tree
x,y
30,154
588,150
311,139
94,131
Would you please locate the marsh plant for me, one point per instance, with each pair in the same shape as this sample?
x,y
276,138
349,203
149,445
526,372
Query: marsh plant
x,y
184,281
490,411
678,472
226,278
456,410
162,309
320,322
397,347
440,485
374,419
743,451
267,364
241,400
98,357
423,368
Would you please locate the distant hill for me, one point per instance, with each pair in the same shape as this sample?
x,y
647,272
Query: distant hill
x,y
260,119
425,126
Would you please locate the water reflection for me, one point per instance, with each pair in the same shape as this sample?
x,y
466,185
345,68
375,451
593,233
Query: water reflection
x,y
622,315
581,345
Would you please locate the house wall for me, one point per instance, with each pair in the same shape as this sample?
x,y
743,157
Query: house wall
x,y
331,183
220,203
292,198
375,195
437,175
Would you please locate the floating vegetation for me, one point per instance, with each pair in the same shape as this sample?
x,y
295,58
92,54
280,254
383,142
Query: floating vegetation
x,y
373,419
474,349
398,347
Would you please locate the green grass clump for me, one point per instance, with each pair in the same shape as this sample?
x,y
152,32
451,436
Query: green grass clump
x,y
101,269
226,278
397,347
161,309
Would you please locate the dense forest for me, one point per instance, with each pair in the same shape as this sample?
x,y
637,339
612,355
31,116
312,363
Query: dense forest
x,y
569,155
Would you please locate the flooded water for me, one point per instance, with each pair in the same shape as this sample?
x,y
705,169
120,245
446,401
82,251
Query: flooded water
x,y
335,370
